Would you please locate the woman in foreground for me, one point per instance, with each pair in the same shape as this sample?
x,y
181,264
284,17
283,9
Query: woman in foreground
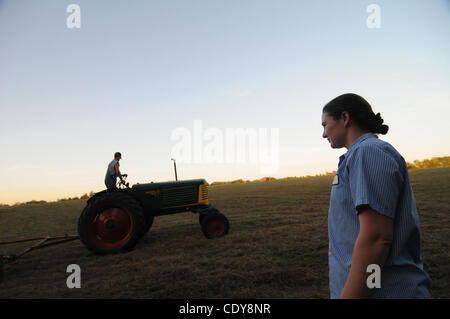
x,y
372,218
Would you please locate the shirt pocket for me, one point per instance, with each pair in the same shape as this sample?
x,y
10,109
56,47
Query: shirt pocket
x,y
340,193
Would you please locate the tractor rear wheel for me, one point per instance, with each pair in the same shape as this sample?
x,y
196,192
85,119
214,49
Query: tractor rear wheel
x,y
215,225
112,222
148,223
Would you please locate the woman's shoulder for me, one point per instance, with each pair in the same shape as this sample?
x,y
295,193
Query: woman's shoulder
x,y
374,147
378,144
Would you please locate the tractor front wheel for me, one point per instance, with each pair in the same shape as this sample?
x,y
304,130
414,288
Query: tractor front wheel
x,y
205,212
215,225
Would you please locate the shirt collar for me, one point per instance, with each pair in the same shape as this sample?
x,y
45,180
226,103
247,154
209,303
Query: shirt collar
x,y
360,139
356,143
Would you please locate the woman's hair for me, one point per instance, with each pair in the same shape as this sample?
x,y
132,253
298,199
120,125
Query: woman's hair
x,y
359,110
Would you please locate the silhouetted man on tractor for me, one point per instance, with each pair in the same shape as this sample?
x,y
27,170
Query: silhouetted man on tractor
x,y
113,172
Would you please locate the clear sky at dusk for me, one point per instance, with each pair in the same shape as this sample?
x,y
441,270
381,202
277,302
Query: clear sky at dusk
x,y
135,71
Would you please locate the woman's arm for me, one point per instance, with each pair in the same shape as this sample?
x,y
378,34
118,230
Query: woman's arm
x,y
371,247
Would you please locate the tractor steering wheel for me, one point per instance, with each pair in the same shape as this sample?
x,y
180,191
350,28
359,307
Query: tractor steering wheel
x,y
123,184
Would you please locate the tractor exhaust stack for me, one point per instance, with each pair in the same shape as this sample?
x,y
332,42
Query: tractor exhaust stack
x,y
175,167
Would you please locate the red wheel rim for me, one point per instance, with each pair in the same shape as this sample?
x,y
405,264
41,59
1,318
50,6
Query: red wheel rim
x,y
112,227
216,227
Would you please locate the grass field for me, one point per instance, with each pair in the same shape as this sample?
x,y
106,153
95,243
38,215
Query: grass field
x,y
277,246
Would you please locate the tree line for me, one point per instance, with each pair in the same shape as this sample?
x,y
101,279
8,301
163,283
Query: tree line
x,y
434,162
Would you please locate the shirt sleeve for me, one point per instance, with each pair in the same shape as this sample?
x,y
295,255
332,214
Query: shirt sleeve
x,y
375,179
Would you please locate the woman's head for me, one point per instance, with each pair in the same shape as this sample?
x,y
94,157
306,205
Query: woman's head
x,y
349,111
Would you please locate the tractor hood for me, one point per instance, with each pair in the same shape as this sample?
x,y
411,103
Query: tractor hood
x,y
159,185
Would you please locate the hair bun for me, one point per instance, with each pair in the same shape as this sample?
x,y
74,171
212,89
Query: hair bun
x,y
379,127
378,119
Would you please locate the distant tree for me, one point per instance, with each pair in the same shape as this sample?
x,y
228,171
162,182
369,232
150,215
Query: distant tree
x,y
268,179
33,202
84,196
411,166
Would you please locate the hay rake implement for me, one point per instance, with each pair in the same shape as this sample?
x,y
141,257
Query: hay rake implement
x,y
42,243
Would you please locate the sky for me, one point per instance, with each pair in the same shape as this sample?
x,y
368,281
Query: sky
x,y
137,72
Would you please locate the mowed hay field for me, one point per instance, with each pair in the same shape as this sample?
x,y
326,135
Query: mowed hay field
x,y
277,246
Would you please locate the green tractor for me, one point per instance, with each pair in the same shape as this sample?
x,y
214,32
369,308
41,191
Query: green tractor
x,y
115,219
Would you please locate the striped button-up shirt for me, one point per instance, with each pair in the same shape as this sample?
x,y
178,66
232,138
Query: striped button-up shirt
x,y
373,173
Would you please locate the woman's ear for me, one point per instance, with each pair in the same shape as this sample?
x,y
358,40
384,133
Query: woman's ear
x,y
346,117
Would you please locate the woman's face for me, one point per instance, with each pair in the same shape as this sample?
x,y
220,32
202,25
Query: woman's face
x,y
334,130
